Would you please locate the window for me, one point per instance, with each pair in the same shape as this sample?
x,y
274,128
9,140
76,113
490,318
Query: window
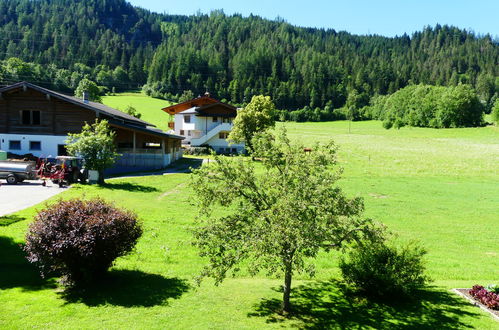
x,y
30,117
187,119
226,120
188,133
215,119
182,132
61,150
223,135
35,145
152,145
15,145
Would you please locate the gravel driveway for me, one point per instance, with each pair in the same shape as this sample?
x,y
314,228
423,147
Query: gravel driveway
x,y
14,198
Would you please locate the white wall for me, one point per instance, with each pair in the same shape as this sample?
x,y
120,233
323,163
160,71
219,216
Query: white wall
x,y
48,147
181,125
217,143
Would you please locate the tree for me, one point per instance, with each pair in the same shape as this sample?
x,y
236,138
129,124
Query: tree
x,y
495,113
257,116
87,85
95,144
132,111
278,217
186,96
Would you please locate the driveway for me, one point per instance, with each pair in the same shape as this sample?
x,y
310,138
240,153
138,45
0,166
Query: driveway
x,y
14,198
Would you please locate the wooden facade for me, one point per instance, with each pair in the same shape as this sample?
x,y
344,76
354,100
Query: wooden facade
x,y
56,117
31,113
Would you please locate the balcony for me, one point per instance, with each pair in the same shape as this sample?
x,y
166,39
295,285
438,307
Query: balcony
x,y
217,129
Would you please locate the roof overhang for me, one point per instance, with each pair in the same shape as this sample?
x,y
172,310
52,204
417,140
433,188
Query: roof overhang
x,y
197,102
145,130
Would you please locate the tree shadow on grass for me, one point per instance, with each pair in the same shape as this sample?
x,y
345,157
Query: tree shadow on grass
x,y
16,271
128,288
128,186
10,219
188,164
324,305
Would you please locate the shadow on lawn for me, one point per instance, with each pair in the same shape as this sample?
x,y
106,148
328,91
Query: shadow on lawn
x,y
128,186
187,164
128,288
10,219
16,271
324,305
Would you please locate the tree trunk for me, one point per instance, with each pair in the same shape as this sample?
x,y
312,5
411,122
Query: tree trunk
x,y
286,306
101,177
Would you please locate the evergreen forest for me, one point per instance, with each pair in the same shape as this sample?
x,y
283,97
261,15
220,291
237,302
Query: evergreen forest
x,y
121,47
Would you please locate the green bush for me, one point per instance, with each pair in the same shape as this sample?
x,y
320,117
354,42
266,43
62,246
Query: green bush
x,y
198,151
80,239
495,113
382,270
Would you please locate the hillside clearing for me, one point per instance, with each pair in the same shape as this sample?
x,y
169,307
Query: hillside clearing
x,y
148,107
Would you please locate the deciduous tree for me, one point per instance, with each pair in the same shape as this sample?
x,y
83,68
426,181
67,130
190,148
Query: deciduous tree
x,y
278,214
257,116
95,144
86,85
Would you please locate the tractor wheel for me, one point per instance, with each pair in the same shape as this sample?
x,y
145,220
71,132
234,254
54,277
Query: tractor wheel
x,y
12,179
74,176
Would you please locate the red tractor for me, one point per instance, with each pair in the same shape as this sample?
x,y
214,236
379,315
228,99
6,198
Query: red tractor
x,y
65,171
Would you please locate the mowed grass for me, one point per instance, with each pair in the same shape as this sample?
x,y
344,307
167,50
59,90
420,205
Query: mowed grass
x,y
440,187
148,107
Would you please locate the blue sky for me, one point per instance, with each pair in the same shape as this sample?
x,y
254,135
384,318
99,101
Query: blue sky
x,y
385,17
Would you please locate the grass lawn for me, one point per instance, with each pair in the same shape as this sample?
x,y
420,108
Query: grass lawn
x,y
149,107
440,187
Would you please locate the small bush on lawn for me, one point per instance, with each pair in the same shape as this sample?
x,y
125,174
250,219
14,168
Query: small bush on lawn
x,y
382,270
198,151
80,239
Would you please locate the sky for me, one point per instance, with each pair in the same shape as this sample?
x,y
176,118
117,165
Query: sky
x,y
383,17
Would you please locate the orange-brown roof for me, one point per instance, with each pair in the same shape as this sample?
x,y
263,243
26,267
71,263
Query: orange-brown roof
x,y
197,102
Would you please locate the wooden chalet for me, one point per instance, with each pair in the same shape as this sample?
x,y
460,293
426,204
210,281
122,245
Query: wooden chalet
x,y
35,120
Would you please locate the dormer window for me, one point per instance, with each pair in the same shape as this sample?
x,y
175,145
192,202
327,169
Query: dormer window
x,y
30,117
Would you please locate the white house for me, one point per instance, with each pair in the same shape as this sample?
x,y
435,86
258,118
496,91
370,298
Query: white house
x,y
204,121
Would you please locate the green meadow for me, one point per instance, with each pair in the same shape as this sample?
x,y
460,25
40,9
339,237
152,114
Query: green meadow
x,y
148,107
439,187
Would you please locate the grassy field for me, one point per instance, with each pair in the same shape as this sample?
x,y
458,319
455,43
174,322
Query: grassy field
x,y
440,187
149,107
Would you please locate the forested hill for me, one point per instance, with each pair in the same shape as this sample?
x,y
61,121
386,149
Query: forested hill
x,y
233,57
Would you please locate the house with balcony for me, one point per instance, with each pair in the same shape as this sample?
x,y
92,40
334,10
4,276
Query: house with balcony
x,y
204,121
35,120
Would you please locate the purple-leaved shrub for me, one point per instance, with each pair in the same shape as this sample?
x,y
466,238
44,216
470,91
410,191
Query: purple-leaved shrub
x,y
80,239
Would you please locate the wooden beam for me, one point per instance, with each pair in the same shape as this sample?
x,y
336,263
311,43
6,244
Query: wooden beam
x,y
134,147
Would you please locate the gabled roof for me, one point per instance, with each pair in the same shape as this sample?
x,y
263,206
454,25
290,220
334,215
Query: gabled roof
x,y
197,102
147,130
201,106
97,107
214,110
